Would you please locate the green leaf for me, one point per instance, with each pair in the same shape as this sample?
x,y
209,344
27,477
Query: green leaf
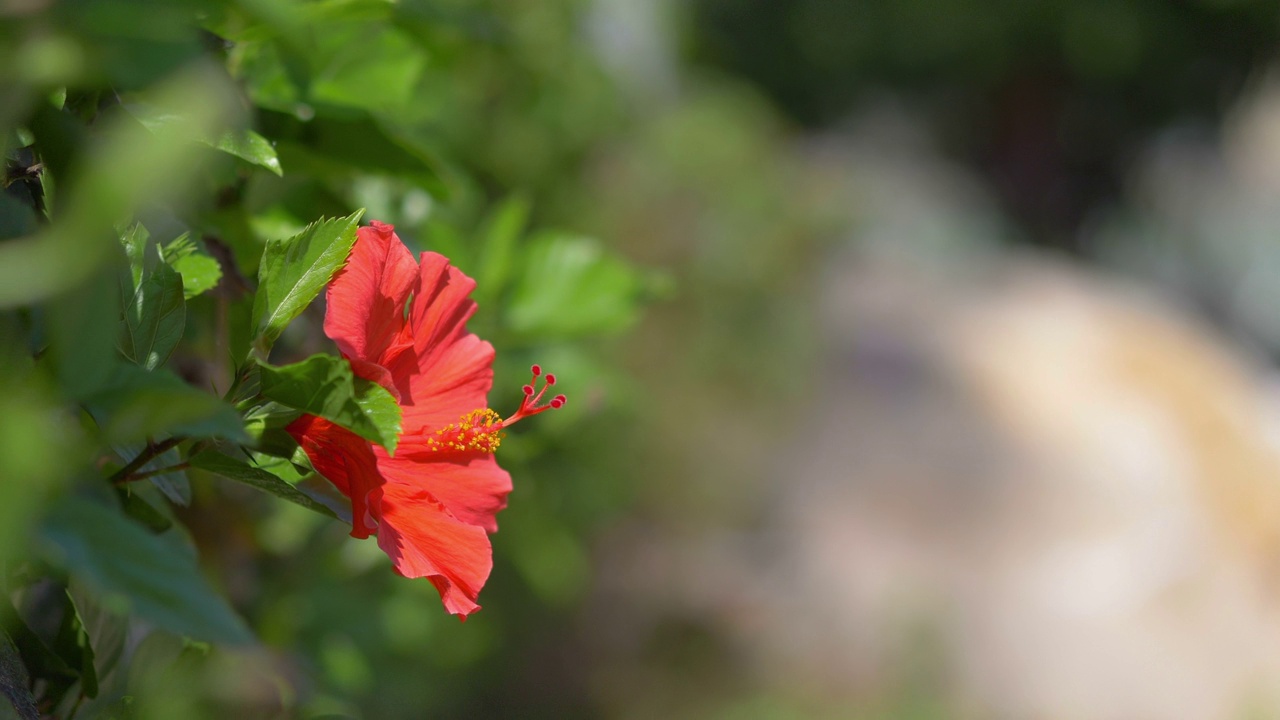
x,y
107,631
571,286
175,486
249,146
266,425
244,144
340,140
369,66
154,319
294,271
82,326
240,471
129,166
137,507
74,641
134,239
156,578
200,271
16,218
138,404
324,385
299,473
39,657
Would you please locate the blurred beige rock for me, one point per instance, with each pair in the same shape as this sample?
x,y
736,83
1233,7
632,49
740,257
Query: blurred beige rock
x,y
1074,484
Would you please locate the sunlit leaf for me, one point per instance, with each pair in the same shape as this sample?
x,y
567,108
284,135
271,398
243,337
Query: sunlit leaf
x,y
294,271
249,146
134,240
244,144
154,318
324,385
199,270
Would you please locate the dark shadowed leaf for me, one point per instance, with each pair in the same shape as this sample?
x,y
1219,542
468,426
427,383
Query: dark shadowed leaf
x,y
294,271
16,218
324,385
241,471
338,140
137,404
158,579
174,485
106,631
74,644
82,334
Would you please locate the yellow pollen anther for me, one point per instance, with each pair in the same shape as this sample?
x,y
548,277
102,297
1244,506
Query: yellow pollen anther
x,y
477,431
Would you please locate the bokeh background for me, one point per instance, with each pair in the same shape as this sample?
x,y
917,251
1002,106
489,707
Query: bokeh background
x,y
921,353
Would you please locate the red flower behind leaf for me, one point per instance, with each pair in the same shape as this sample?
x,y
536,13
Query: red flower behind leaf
x,y
403,325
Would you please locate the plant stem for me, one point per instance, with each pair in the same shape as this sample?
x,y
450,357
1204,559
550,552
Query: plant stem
x,y
125,474
152,473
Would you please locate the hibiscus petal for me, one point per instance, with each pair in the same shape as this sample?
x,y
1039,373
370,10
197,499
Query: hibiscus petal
x,y
457,383
346,460
441,308
452,369
366,312
470,484
424,540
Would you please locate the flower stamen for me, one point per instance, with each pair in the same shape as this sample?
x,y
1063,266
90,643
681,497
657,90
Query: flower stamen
x,y
477,431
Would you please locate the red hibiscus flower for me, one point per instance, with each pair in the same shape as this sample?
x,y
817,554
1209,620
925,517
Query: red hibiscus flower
x,y
402,325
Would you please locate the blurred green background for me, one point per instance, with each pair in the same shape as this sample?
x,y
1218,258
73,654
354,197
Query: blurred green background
x,y
787,258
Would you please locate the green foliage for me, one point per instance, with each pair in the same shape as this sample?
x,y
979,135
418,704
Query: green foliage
x,y
572,286
151,575
228,467
200,272
292,273
136,404
154,319
324,385
182,181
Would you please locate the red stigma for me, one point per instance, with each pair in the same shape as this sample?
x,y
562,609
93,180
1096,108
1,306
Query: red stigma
x,y
529,404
